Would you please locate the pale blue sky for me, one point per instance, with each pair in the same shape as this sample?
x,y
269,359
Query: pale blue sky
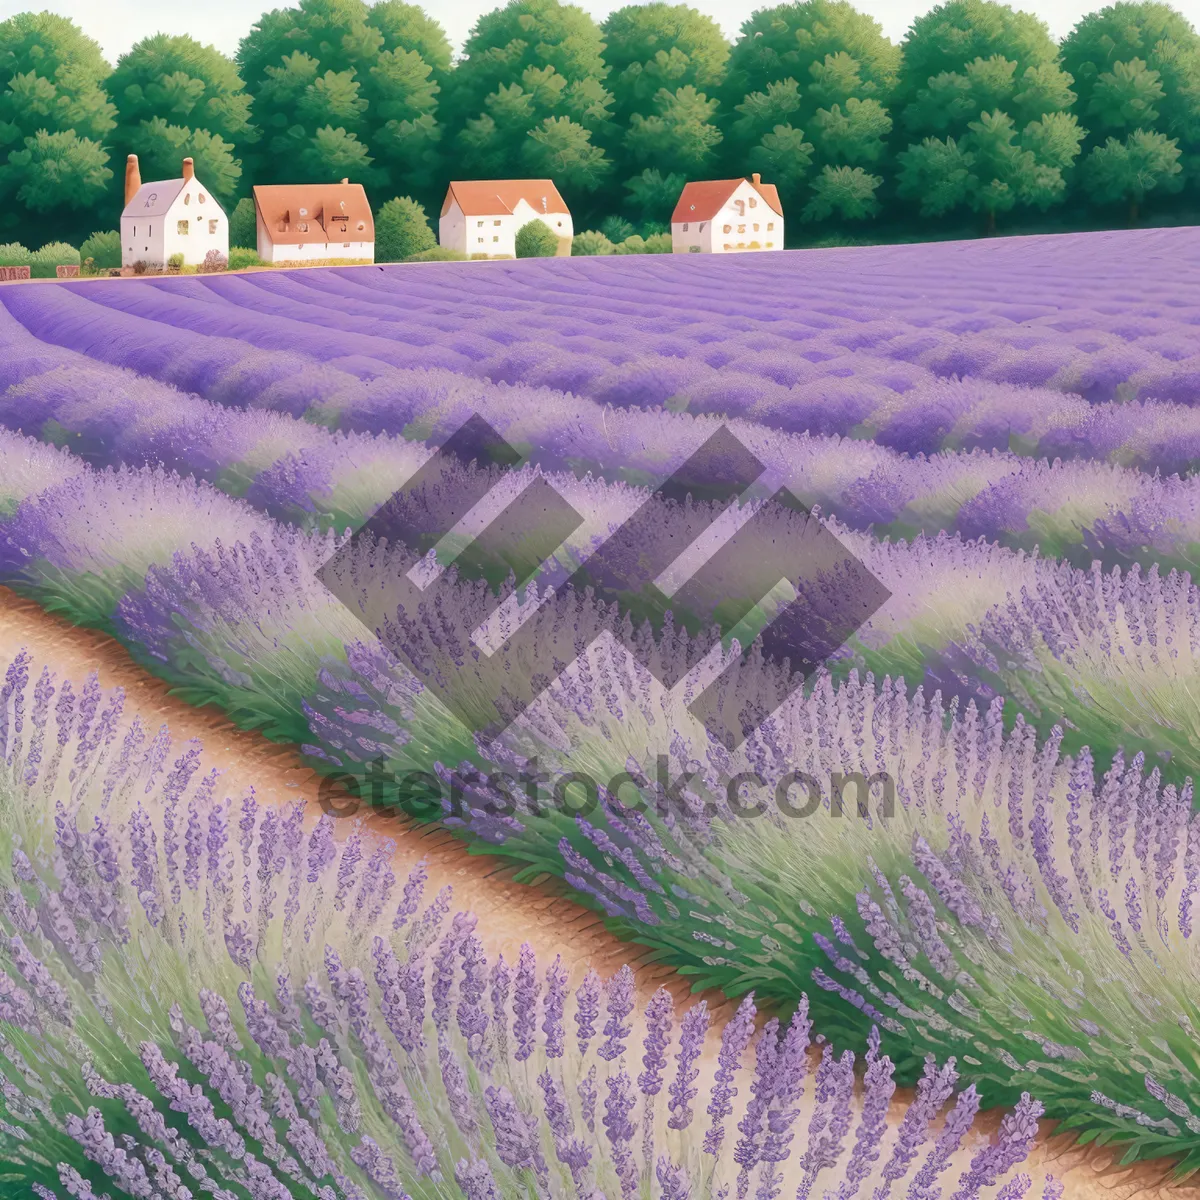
x,y
117,24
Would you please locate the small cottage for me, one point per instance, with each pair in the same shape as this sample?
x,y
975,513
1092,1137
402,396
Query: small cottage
x,y
169,217
306,221
720,216
481,217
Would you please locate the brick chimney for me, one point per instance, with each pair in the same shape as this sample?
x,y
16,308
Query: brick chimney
x,y
188,169
756,179
133,178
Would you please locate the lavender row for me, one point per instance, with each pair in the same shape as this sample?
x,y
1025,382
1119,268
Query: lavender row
x,y
1112,655
246,626
762,340
303,473
166,1019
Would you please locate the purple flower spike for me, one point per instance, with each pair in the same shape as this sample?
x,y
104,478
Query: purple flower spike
x,y
620,1005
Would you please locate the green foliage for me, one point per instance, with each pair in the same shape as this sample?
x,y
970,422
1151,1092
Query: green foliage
x,y
161,149
54,119
616,229
1100,53
658,243
176,260
591,242
679,135
243,224
634,244
240,258
1127,171
104,249
183,82
438,254
43,262
844,192
653,195
561,150
13,254
653,46
402,230
343,90
535,239
816,43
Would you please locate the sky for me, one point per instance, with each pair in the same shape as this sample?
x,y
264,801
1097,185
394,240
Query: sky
x,y
117,24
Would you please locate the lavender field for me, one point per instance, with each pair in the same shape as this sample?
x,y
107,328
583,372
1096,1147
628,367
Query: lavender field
x,y
1002,432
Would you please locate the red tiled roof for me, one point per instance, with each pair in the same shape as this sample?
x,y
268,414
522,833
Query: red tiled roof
x,y
316,205
702,200
490,197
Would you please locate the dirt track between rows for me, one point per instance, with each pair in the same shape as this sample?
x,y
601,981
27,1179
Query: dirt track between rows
x,y
509,913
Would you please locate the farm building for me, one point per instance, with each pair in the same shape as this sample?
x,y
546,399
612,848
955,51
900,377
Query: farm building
x,y
298,221
481,217
168,217
720,216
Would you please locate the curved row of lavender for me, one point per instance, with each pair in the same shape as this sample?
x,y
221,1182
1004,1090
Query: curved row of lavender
x,y
993,905
198,994
846,350
305,474
1113,657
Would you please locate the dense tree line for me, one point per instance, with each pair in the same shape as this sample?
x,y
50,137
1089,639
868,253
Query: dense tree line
x,y
977,119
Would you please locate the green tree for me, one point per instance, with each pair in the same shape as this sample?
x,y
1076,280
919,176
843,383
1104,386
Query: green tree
x,y
809,88
680,134
341,89
653,195
104,249
535,239
590,242
243,225
175,97
55,117
402,229
562,150
653,46
1127,171
847,193
986,112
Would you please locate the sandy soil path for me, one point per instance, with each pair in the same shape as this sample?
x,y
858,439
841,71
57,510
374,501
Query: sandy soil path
x,y
509,913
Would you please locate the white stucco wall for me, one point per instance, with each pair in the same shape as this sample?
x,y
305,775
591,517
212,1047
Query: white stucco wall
x,y
270,251
749,218
452,229
154,239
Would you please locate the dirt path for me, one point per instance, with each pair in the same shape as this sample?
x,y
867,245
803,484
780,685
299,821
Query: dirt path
x,y
509,913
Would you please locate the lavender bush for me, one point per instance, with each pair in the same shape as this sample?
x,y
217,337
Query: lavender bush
x,y
204,995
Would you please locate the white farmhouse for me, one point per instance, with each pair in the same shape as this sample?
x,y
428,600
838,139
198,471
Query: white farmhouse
x,y
300,222
171,216
720,216
481,217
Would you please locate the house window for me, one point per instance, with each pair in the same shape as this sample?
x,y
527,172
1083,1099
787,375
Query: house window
x,y
134,234
303,226
479,240
187,199
560,224
693,249
701,226
182,228
753,202
345,245
212,225
740,205
756,227
478,224
741,229
770,226
362,225
495,237
685,227
494,222
727,229
201,197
